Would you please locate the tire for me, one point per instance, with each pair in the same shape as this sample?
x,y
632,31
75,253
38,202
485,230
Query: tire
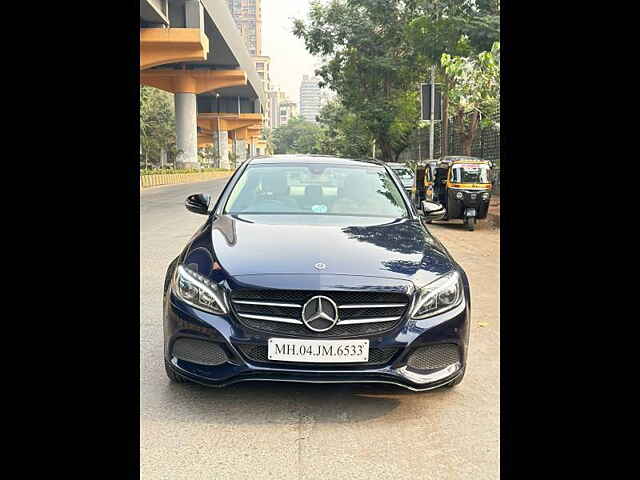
x,y
174,376
470,223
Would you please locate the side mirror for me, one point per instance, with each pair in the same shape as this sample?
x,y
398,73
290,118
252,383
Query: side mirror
x,y
198,203
432,210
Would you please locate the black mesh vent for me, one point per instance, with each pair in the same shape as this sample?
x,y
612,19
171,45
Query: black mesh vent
x,y
434,357
259,353
302,331
199,351
301,296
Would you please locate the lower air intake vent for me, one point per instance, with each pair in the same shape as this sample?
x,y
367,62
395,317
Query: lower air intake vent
x,y
434,357
199,351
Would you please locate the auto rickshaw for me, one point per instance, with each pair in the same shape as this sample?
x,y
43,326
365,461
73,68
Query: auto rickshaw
x,y
463,186
422,185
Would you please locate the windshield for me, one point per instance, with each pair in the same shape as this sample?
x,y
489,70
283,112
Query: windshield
x,y
403,173
316,190
471,173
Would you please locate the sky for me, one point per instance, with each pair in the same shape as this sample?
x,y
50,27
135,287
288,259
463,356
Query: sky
x,y
289,59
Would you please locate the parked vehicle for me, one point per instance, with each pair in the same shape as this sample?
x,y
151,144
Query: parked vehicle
x,y
315,269
463,187
406,176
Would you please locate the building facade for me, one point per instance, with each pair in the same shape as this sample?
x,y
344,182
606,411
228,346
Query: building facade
x,y
276,99
288,110
309,98
248,17
262,64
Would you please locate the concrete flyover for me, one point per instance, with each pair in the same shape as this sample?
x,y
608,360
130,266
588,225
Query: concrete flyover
x,y
192,49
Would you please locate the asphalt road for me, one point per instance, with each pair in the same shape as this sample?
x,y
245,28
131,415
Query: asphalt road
x,y
299,431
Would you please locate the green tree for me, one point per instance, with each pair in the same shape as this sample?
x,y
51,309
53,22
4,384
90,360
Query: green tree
x,y
157,124
343,134
267,134
456,28
367,63
297,136
208,156
474,92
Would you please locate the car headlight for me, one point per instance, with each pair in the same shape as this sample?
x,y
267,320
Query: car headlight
x,y
459,195
198,291
485,196
439,296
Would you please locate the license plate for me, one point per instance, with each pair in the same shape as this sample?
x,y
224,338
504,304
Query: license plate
x,y
318,351
471,212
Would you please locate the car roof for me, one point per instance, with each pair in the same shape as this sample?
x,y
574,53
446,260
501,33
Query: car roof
x,y
456,162
302,158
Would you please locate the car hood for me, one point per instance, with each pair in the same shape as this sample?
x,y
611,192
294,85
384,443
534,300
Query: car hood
x,y
304,244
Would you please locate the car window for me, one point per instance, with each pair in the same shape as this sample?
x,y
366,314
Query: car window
x,y
403,172
470,174
316,190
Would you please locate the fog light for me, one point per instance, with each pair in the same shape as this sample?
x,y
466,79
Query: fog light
x,y
459,195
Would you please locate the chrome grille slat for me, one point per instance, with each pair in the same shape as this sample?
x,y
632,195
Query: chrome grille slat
x,y
268,304
373,305
271,319
360,312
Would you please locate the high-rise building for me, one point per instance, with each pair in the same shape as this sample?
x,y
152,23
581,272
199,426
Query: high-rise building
x,y
262,67
309,98
248,17
287,111
276,99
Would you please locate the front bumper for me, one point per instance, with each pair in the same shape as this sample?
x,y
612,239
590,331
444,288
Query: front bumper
x,y
184,321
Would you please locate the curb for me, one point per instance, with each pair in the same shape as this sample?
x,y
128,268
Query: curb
x,y
149,181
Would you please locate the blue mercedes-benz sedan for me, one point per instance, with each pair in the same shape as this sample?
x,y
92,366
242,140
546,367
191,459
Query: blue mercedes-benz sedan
x,y
315,269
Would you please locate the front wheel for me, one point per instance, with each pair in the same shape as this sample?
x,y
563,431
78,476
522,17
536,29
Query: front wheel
x,y
470,223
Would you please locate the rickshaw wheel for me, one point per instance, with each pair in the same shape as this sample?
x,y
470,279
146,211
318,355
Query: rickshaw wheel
x,y
470,223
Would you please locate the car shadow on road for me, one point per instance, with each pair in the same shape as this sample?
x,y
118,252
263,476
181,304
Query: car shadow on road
x,y
459,225
254,403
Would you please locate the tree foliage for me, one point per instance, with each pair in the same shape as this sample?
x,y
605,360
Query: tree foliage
x,y
456,28
267,134
343,134
368,63
297,136
157,124
474,93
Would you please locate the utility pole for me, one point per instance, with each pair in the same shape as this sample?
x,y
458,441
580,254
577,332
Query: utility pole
x,y
431,116
374,148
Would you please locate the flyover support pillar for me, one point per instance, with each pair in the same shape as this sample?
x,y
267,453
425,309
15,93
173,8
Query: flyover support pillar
x,y
241,147
220,143
186,130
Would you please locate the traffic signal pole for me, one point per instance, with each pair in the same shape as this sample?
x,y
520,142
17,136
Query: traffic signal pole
x,y
431,116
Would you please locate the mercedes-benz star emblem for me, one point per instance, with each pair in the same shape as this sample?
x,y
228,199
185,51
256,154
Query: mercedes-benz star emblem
x,y
320,266
320,314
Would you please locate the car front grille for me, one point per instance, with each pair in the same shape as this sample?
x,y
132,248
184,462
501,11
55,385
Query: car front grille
x,y
433,357
377,356
280,311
